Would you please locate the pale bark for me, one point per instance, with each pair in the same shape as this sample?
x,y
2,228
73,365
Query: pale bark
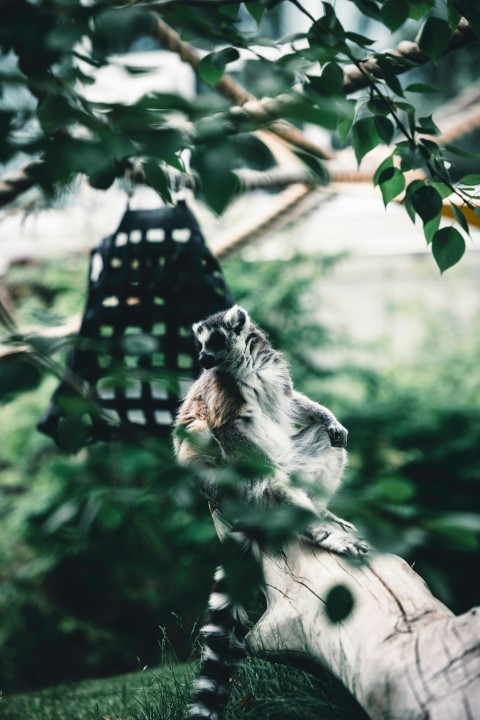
x,y
400,652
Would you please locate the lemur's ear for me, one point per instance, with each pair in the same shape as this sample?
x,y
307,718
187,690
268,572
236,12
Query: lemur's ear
x,y
236,318
196,327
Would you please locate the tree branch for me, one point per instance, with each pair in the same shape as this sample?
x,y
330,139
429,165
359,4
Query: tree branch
x,y
266,110
355,79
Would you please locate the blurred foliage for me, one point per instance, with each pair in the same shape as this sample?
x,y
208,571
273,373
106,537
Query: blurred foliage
x,y
50,51
100,549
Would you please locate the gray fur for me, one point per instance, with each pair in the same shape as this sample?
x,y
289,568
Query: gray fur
x,y
244,403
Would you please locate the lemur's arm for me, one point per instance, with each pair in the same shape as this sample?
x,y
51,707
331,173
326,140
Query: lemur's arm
x,y
237,445
308,412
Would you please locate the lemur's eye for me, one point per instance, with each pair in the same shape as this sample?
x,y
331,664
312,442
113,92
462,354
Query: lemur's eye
x,y
216,341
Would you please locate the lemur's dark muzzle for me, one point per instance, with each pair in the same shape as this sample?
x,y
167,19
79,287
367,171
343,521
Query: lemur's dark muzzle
x,y
207,361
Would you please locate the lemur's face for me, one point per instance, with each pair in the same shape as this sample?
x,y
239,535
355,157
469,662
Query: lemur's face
x,y
221,336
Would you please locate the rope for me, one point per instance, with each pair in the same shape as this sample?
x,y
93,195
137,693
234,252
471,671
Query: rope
x,y
261,111
293,202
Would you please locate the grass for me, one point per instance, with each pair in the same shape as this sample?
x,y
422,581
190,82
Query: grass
x,y
152,694
261,691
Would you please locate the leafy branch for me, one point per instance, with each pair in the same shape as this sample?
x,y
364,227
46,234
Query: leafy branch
x,y
76,135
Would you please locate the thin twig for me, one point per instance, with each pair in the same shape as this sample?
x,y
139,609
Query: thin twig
x,y
303,10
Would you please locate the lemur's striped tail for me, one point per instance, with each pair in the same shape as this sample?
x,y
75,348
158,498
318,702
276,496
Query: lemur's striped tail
x,y
223,648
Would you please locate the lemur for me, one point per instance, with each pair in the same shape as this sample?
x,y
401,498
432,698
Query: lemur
x,y
244,404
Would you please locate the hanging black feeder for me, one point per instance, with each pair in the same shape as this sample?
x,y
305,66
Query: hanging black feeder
x,y
134,355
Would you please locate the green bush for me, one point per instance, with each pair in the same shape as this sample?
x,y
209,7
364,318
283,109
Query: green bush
x,y
100,549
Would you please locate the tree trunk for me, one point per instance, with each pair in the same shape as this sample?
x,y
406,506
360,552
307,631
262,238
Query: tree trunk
x,y
400,652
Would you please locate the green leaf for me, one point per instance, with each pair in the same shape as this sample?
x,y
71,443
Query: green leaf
x,y
250,151
330,82
157,179
393,13
212,67
384,128
434,37
345,124
219,189
379,107
411,189
427,126
432,147
443,189
214,162
55,113
448,246
460,530
460,218
110,517
392,182
431,227
394,489
421,88
266,78
408,107
387,163
364,137
242,572
315,165
102,179
464,520
327,115
230,11
388,65
427,202
359,39
470,180
419,8
453,14
339,603
462,153
61,516
73,432
368,8
471,11
411,155
256,10
327,31
17,374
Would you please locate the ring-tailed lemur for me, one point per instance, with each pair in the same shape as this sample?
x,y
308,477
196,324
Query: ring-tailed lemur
x,y
244,403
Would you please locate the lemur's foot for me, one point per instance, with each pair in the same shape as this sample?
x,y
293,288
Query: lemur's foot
x,y
337,434
337,541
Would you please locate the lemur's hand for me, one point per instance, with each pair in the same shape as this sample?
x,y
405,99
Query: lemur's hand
x,y
337,434
207,448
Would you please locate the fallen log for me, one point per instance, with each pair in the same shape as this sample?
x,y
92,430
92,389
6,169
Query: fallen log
x,y
400,652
